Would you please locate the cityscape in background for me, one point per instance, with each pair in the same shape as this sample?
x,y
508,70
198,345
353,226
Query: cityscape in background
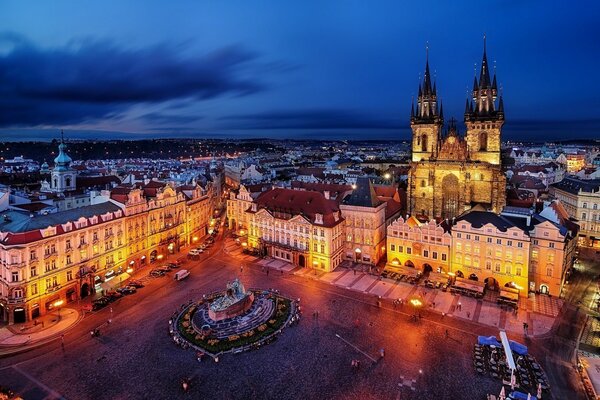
x,y
245,223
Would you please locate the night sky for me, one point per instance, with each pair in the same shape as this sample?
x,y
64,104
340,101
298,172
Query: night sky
x,y
308,69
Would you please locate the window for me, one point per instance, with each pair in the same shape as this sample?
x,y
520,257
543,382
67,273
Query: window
x,y
458,246
400,249
69,276
519,271
34,289
551,245
489,240
392,247
488,265
315,247
33,271
458,235
508,269
509,243
534,254
535,241
408,250
520,245
15,276
498,241
549,271
32,255
425,253
477,238
435,255
322,248
583,215
468,237
443,256
498,267
68,259
68,244
498,253
584,205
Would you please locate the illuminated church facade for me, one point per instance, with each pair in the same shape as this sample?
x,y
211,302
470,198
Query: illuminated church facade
x,y
450,173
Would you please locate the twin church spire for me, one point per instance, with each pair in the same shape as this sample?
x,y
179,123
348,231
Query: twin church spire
x,y
481,105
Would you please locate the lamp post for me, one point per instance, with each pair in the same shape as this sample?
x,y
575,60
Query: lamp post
x,y
416,303
58,304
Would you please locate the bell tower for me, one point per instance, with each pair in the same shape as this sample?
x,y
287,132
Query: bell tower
x,y
63,176
483,118
426,120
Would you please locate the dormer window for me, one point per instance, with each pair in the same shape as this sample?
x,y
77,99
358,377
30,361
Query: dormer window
x,y
318,218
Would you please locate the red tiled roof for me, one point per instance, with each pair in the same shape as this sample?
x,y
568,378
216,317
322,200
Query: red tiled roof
x,y
299,202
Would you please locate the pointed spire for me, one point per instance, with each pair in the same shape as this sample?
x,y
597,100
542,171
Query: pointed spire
x,y
494,84
484,75
475,85
501,105
427,78
412,108
467,106
62,136
441,110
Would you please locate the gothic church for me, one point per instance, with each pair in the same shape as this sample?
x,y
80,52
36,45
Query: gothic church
x,y
451,173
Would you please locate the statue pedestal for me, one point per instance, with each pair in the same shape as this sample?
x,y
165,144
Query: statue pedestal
x,y
235,309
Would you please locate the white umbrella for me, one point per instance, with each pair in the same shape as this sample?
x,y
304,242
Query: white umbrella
x,y
513,380
502,395
539,392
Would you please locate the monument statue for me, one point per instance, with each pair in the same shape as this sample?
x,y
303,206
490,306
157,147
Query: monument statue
x,y
235,302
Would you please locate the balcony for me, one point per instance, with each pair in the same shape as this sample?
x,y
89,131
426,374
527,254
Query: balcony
x,y
48,255
17,265
53,289
15,300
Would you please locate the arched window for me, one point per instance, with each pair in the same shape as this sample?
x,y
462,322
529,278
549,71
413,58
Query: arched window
x,y
55,182
68,181
424,142
483,138
423,183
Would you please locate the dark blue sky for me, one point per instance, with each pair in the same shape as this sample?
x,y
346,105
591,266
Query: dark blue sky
x,y
342,69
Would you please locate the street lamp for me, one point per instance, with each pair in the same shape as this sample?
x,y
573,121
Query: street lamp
x,y
57,304
416,303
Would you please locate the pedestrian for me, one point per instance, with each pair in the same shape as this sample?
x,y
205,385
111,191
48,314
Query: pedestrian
x,y
241,268
446,333
468,314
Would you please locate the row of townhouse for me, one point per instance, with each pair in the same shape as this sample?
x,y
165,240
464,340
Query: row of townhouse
x,y
519,249
315,225
59,258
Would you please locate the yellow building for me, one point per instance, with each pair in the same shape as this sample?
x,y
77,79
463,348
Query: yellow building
x,y
58,258
581,200
450,173
364,213
490,248
300,227
424,246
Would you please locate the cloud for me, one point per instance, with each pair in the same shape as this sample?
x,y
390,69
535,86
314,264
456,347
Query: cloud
x,y
95,79
312,119
169,119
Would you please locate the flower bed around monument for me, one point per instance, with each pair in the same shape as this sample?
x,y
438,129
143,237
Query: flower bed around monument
x,y
282,313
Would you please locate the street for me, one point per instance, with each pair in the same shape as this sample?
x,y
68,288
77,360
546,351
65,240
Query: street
x,y
134,357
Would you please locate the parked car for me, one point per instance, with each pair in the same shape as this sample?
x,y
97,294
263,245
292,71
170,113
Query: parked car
x,y
194,252
136,284
444,287
173,265
164,268
157,273
429,284
127,290
113,295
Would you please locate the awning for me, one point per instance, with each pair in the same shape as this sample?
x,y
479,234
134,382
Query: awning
x,y
114,282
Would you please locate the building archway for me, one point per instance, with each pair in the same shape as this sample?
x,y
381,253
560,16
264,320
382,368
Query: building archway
x,y
301,260
153,255
450,196
473,277
2,313
427,269
409,263
544,289
19,315
85,290
491,283
459,274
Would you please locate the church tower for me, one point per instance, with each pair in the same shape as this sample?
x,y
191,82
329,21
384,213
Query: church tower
x,y
63,177
483,118
426,120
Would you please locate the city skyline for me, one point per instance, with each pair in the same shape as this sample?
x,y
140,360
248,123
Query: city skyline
x,y
343,72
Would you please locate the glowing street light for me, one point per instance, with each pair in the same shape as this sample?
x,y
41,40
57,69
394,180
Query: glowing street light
x,y
387,176
57,304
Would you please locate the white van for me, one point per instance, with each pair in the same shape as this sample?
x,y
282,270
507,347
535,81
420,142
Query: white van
x,y
182,274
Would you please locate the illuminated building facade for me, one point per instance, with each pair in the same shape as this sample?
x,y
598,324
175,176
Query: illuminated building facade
x,y
364,214
300,227
421,245
581,200
61,257
450,173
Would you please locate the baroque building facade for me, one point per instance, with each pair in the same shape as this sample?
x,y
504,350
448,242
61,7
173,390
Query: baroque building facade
x,y
450,173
